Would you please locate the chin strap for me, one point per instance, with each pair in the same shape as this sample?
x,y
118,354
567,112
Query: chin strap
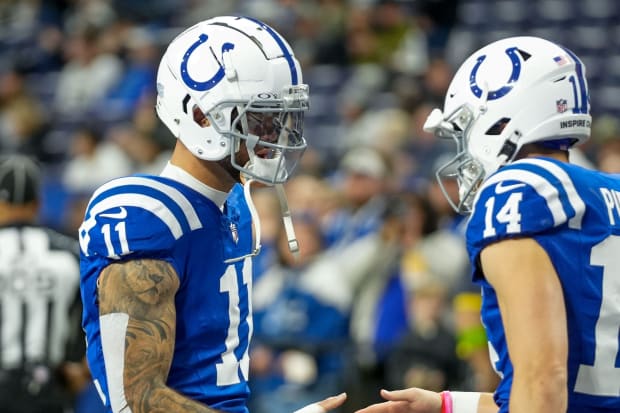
x,y
293,245
255,218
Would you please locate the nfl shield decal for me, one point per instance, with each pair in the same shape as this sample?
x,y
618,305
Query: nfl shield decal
x,y
561,105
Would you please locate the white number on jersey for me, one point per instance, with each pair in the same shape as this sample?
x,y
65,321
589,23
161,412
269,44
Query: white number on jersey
x,y
122,238
508,214
603,378
227,370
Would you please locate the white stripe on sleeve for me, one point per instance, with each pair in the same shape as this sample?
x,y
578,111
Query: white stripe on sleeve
x,y
573,197
113,331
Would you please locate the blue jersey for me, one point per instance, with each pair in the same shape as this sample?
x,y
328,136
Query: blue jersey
x,y
574,214
160,218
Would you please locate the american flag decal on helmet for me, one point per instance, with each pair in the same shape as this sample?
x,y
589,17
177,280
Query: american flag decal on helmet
x,y
561,60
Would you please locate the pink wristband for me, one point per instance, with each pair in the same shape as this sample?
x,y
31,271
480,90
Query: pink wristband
x,y
446,402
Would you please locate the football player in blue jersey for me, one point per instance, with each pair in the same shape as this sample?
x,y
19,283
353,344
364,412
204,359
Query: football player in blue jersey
x,y
543,234
166,260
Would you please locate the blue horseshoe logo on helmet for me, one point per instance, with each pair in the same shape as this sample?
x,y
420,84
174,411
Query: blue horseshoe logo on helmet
x,y
217,77
514,76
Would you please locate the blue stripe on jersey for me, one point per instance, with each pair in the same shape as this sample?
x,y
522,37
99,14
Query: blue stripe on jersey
x,y
571,201
172,198
282,44
542,174
542,187
127,200
550,180
131,190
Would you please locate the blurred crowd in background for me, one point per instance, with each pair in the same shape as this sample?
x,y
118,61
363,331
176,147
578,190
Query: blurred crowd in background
x,y
380,295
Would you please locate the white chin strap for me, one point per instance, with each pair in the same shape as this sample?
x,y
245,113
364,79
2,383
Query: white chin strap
x,y
268,168
293,244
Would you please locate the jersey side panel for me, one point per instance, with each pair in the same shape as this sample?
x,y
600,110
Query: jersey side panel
x,y
214,322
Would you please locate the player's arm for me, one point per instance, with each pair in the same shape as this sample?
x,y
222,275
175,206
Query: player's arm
x,y
532,308
141,294
415,400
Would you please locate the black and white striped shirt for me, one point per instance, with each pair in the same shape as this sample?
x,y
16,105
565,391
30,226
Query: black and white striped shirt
x,y
39,282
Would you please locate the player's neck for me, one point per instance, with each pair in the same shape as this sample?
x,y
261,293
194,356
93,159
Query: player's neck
x,y
534,150
558,155
209,173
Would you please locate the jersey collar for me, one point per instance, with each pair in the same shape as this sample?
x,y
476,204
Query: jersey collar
x,y
177,174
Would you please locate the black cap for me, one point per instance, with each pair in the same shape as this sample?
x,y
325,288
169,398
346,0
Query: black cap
x,y
19,179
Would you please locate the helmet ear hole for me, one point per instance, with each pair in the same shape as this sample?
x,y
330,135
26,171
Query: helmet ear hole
x,y
509,149
498,127
200,118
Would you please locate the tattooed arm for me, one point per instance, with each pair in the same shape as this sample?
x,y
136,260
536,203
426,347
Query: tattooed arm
x,y
145,290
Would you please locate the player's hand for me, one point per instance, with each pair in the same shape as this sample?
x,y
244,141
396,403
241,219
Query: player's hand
x,y
324,405
412,400
333,402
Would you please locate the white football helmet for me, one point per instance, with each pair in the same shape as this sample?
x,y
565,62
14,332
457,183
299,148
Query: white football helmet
x,y
232,78
512,92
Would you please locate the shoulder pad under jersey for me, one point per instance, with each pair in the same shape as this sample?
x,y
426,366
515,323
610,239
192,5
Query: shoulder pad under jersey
x,y
522,199
136,215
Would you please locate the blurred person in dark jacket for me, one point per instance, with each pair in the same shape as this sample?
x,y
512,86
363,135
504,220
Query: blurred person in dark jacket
x,y
426,355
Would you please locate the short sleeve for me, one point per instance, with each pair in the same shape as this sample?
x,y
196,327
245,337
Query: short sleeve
x,y
523,199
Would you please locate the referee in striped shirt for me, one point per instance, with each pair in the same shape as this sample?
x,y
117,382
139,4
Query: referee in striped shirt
x,y
39,275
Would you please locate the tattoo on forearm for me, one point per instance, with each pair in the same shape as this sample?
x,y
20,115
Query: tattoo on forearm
x,y
145,290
